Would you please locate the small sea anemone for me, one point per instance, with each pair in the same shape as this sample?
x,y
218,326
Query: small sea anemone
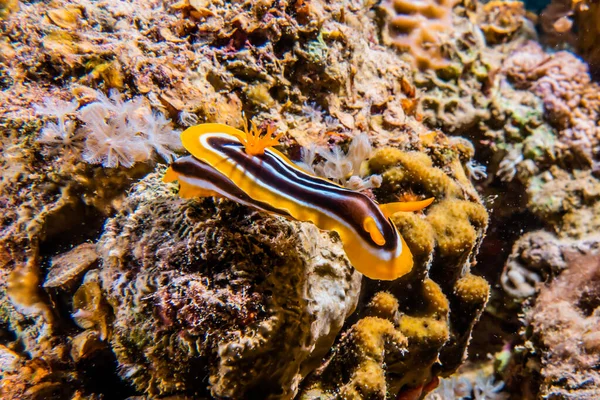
x,y
485,388
507,169
476,171
60,135
187,118
452,388
113,132
125,132
460,388
343,168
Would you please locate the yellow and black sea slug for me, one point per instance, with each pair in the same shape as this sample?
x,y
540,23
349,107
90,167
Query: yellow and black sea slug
x,y
244,167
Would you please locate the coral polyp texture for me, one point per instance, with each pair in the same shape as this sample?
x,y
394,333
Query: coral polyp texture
x,y
564,323
233,300
420,326
418,28
573,23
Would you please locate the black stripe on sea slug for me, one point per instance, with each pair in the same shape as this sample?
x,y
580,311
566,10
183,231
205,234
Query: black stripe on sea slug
x,y
192,167
346,205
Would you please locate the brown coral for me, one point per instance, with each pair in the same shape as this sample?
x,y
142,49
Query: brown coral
x,y
574,22
570,98
418,27
565,323
500,20
240,298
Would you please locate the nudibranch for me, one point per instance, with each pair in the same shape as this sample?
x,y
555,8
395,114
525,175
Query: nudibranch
x,y
244,167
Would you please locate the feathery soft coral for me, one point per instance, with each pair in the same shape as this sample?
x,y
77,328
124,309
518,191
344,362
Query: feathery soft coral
x,y
62,132
116,132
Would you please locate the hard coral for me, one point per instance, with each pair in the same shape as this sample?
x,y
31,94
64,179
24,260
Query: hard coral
x,y
574,23
417,26
318,72
565,323
433,308
230,302
535,257
571,103
357,368
500,20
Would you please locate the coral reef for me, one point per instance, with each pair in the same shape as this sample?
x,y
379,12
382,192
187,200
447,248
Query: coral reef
x,y
158,296
419,28
418,337
533,116
365,346
501,20
570,102
548,151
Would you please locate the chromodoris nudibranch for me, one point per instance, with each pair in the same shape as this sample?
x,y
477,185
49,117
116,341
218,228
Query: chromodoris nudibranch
x,y
243,167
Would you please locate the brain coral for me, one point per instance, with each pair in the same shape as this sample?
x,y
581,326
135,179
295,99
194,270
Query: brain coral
x,y
417,26
213,294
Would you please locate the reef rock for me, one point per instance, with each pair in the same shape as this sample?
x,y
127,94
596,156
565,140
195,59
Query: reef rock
x,y
210,295
209,298
563,329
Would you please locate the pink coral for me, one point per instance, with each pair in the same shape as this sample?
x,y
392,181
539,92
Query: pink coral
x,y
570,98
